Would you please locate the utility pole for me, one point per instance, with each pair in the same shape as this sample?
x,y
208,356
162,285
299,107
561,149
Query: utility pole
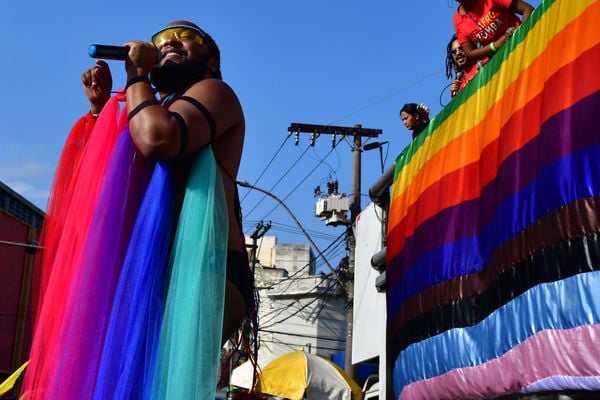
x,y
259,232
357,132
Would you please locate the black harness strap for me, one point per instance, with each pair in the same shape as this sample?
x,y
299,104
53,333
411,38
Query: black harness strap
x,y
209,118
183,137
213,133
140,107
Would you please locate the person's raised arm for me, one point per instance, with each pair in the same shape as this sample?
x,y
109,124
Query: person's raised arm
x,y
475,53
97,84
522,8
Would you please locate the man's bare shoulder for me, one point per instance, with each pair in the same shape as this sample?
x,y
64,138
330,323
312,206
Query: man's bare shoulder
x,y
221,102
216,95
215,87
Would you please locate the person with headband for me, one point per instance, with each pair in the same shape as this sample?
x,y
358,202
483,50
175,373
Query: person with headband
x,y
415,118
163,277
194,99
484,26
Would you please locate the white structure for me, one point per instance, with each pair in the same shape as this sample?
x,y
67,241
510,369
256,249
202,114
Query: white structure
x,y
369,317
295,259
298,310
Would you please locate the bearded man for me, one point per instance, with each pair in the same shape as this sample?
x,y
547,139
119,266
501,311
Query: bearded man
x,y
145,273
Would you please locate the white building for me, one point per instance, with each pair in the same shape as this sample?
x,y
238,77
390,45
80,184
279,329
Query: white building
x,y
298,310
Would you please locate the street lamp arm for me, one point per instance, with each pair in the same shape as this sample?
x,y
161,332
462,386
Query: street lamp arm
x,y
249,186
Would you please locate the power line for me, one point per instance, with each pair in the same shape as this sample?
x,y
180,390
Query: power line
x,y
301,335
270,324
294,346
280,310
268,165
292,229
318,297
284,307
280,179
299,233
368,105
317,257
318,157
302,181
395,92
292,278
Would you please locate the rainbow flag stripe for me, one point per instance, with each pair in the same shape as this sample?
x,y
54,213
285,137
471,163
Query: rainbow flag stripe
x,y
499,196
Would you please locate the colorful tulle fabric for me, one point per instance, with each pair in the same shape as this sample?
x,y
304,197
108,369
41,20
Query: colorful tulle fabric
x,y
131,341
190,338
104,329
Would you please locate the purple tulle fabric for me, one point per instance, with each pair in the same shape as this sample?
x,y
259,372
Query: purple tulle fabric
x,y
88,307
131,343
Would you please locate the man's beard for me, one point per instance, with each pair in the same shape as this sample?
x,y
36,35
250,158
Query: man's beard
x,y
174,77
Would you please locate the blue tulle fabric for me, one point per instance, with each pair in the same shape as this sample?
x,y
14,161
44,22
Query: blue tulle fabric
x,y
130,349
190,338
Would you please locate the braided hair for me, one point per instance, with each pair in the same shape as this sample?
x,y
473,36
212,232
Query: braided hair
x,y
451,66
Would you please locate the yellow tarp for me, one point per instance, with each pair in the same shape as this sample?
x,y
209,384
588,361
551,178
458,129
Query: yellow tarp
x,y
9,383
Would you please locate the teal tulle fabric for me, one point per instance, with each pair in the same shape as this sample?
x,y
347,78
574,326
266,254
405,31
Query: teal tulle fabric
x,y
190,337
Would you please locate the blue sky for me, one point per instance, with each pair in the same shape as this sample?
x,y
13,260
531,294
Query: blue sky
x,y
320,62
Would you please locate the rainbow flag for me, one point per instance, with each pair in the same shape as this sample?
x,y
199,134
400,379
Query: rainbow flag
x,y
493,261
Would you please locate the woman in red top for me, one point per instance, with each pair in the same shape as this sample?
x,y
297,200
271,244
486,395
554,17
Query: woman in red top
x,y
483,26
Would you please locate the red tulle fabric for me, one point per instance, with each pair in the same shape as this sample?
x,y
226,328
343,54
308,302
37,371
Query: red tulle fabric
x,y
74,195
58,203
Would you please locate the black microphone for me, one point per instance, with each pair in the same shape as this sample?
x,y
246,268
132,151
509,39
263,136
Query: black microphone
x,y
108,52
459,77
374,145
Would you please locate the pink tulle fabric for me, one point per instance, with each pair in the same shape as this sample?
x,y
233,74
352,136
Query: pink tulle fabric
x,y
65,241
